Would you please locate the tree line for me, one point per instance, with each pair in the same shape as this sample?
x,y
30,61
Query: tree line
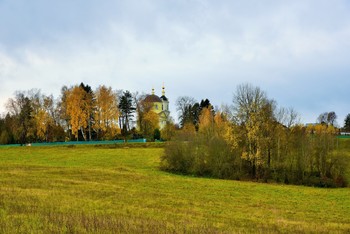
x,y
250,139
253,139
80,113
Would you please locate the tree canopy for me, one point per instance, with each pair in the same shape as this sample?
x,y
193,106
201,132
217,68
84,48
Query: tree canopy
x,y
257,141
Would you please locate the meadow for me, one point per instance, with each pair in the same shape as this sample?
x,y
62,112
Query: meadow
x,y
87,189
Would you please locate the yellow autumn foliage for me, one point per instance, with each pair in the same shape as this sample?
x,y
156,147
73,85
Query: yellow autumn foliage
x,y
76,109
106,111
150,122
41,122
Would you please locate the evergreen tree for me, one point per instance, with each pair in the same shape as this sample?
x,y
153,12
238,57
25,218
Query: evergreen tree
x,y
190,110
126,108
24,119
347,123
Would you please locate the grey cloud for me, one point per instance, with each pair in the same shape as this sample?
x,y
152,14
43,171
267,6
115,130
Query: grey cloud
x,y
198,48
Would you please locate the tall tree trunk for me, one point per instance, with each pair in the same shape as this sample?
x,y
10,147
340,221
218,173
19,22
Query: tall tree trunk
x,y
90,129
253,169
83,133
127,123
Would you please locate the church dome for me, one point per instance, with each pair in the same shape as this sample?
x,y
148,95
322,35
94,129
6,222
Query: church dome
x,y
153,98
164,98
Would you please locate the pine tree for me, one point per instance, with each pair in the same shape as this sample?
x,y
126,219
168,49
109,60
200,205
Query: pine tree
x,y
347,123
126,107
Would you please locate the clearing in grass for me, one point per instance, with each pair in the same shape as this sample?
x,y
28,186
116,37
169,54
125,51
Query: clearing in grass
x,y
89,189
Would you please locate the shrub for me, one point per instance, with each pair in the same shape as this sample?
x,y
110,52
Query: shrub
x,y
297,155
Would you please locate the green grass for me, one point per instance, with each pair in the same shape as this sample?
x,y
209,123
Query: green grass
x,y
122,190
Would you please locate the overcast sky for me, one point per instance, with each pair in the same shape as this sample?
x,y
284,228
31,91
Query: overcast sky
x,y
298,51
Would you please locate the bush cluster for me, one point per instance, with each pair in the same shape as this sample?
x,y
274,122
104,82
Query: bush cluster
x,y
222,149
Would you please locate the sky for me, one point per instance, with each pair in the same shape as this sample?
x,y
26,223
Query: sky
x,y
297,51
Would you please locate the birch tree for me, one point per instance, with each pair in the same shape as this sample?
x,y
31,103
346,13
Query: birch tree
x,y
248,105
76,110
106,112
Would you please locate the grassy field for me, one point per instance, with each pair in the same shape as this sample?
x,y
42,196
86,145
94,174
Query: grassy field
x,y
122,190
